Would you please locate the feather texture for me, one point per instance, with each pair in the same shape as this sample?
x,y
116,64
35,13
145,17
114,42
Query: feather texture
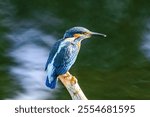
x,y
61,58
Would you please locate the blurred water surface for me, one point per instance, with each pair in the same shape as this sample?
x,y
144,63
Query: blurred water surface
x,y
116,67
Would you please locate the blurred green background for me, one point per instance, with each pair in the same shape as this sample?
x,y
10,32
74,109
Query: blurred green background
x,y
117,67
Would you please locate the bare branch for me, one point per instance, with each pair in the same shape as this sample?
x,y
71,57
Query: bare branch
x,y
71,84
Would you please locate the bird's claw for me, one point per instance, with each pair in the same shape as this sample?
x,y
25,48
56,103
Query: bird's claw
x,y
73,80
68,78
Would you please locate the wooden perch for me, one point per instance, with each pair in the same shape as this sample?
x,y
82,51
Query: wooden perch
x,y
71,84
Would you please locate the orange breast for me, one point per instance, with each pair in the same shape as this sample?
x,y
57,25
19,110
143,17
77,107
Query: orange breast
x,y
79,44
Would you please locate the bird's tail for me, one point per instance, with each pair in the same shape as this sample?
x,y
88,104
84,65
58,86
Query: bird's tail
x,y
51,83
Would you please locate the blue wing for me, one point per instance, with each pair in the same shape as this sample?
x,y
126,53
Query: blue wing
x,y
65,58
52,53
51,76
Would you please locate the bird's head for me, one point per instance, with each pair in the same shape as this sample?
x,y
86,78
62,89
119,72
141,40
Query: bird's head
x,y
80,33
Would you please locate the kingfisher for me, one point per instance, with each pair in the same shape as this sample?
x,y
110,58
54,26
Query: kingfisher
x,y
64,53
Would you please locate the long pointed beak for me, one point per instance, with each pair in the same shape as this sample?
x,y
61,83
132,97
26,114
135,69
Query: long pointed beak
x,y
100,34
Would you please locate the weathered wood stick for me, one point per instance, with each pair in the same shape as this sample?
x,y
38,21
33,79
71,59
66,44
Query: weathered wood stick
x,y
71,84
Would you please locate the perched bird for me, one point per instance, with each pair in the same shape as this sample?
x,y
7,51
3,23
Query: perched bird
x,y
64,53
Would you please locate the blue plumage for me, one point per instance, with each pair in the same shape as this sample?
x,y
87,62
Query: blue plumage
x,y
61,58
64,53
51,84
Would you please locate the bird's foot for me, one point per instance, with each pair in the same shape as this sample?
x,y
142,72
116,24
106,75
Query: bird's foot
x,y
73,80
67,76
